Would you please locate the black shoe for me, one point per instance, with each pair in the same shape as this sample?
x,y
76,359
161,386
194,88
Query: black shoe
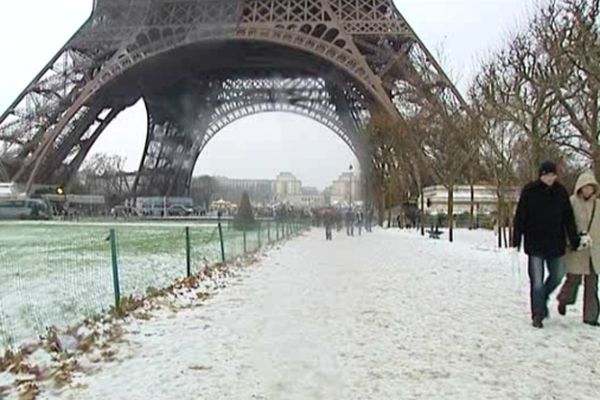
x,y
537,322
562,309
592,323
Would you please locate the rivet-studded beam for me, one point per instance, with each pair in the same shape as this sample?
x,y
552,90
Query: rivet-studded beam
x,y
363,51
177,135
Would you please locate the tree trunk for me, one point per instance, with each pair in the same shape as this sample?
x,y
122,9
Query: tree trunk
x,y
422,217
499,216
511,219
451,212
389,202
596,160
472,211
381,213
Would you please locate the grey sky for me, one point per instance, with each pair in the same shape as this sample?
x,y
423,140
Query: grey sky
x,y
262,145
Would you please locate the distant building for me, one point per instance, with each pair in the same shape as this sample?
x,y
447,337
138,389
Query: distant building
x,y
345,189
309,197
287,184
485,199
284,189
261,191
250,185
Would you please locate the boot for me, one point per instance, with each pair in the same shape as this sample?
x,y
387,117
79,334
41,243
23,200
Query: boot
x,y
537,322
562,309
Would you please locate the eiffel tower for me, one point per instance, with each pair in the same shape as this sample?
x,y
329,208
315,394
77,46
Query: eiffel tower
x,y
199,65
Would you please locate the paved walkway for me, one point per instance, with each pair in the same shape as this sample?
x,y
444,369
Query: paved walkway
x,y
385,316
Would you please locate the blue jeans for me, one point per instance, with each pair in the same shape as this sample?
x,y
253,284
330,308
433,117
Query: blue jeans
x,y
540,290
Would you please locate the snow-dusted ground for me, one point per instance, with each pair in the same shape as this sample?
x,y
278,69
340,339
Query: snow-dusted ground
x,y
58,273
388,315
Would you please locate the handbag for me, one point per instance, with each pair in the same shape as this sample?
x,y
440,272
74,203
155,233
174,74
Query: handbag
x,y
586,240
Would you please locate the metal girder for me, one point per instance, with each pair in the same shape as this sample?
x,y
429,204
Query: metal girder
x,y
178,135
364,49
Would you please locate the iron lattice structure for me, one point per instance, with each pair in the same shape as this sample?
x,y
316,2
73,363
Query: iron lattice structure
x,y
200,65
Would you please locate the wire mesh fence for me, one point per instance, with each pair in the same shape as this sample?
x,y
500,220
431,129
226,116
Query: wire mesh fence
x,y
59,274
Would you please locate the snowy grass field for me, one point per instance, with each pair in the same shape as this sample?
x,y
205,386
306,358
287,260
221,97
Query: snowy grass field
x,y
390,315
56,273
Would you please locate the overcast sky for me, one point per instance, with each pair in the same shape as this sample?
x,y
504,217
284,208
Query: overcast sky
x,y
259,146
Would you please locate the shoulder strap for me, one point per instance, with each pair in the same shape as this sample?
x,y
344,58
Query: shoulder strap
x,y
593,213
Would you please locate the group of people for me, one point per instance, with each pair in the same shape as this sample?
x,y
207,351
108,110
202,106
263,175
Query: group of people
x,y
352,219
561,234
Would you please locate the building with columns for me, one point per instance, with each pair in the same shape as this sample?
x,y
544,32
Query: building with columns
x,y
345,189
286,184
485,199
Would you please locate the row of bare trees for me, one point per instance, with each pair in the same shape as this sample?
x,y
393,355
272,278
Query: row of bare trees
x,y
104,174
536,98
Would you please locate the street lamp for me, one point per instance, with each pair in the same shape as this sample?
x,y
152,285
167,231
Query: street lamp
x,y
351,176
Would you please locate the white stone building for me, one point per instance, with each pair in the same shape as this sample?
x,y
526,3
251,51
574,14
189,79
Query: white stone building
x,y
346,183
485,199
287,184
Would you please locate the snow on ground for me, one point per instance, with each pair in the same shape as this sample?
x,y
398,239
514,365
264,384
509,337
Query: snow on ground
x,y
67,267
390,315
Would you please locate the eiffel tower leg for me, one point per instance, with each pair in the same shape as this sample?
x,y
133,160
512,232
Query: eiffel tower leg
x,y
169,153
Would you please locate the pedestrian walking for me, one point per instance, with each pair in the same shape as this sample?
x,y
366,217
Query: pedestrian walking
x,y
584,263
359,222
544,218
350,222
328,221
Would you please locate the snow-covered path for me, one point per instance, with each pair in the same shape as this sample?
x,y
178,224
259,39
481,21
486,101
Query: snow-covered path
x,y
389,315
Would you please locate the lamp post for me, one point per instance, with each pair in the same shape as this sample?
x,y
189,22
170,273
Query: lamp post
x,y
350,191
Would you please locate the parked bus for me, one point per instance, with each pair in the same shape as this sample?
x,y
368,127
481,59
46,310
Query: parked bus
x,y
24,209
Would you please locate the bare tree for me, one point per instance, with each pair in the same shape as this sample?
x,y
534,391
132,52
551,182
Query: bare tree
x,y
398,161
538,98
203,190
104,174
568,36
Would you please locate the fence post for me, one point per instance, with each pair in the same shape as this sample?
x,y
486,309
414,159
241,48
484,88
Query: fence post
x,y
244,230
115,268
188,257
222,243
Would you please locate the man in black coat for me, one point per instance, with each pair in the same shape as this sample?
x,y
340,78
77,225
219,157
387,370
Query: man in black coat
x,y
545,219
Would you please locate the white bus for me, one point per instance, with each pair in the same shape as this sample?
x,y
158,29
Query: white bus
x,y
7,191
24,209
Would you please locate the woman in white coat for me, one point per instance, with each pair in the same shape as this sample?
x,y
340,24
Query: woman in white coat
x,y
586,261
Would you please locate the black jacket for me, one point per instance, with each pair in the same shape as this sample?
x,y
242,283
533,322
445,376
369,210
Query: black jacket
x,y
545,218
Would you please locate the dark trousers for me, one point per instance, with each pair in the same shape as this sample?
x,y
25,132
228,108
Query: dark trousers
x,y
568,293
328,234
540,290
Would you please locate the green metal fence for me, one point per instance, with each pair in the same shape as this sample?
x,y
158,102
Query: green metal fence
x,y
59,274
